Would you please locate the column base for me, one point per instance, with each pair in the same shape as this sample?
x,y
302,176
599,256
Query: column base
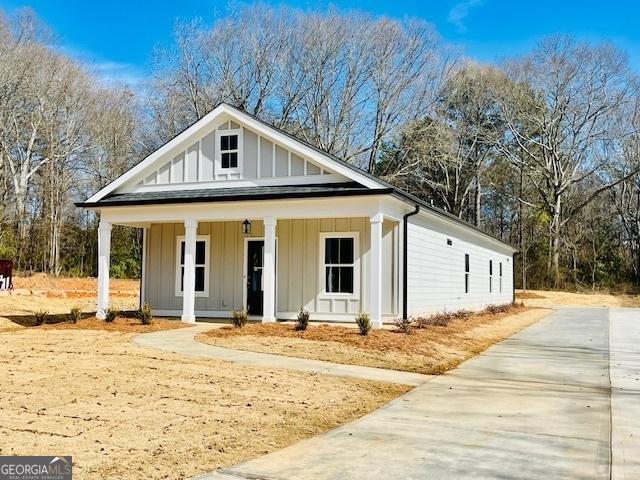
x,y
188,318
101,314
268,319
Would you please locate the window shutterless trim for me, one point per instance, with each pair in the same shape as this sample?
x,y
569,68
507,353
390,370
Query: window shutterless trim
x,y
179,265
322,266
466,273
239,150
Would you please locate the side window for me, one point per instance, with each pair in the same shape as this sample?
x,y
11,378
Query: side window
x,y
490,276
466,273
500,277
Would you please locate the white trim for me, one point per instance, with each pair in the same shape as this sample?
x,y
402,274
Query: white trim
x,y
315,316
207,262
323,294
245,264
143,269
218,152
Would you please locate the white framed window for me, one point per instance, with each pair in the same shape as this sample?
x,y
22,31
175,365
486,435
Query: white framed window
x,y
339,265
500,277
466,273
201,266
229,150
490,276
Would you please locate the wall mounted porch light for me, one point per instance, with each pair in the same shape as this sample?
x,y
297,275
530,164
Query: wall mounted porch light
x,y
246,227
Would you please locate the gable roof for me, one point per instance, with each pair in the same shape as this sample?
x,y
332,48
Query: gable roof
x,y
322,158
363,182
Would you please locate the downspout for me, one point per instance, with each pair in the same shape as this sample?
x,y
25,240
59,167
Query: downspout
x,y
513,275
405,256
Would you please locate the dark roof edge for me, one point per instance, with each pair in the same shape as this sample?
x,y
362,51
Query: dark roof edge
x,y
413,200
240,198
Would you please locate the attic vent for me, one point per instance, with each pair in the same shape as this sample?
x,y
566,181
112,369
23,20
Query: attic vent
x,y
449,241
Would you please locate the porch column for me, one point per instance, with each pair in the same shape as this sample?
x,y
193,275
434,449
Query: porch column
x,y
269,271
375,271
104,260
189,280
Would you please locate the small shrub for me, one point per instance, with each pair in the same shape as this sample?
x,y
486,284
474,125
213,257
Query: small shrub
x,y
111,314
40,317
436,320
302,321
144,314
403,325
461,314
75,315
498,308
364,323
239,318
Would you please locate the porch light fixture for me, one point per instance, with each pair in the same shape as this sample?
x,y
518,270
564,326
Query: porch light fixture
x,y
246,227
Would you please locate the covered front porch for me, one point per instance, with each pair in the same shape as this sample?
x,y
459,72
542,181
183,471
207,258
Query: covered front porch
x,y
333,257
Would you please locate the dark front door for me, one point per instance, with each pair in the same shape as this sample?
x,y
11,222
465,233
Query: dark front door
x,y
255,250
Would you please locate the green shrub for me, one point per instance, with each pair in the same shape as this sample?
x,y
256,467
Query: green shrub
x,y
239,318
144,314
111,314
364,323
403,325
75,315
40,317
302,321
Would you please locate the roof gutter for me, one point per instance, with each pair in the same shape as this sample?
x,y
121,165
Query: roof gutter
x,y
405,257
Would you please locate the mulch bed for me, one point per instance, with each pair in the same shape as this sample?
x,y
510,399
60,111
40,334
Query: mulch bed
x,y
417,342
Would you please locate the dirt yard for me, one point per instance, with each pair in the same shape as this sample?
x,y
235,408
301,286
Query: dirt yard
x,y
550,299
430,350
59,295
126,412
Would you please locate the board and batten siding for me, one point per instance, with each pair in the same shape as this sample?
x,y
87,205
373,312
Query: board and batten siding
x,y
195,161
298,266
436,270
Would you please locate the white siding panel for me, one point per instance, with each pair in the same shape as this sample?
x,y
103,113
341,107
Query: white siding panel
x,y
191,170
177,169
163,173
435,270
208,154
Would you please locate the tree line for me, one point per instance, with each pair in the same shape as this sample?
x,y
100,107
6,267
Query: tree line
x,y
541,150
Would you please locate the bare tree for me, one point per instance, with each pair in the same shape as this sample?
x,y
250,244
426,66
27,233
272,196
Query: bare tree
x,y
562,114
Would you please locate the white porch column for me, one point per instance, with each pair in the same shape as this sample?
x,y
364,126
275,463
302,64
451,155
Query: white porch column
x,y
269,271
375,271
104,260
189,280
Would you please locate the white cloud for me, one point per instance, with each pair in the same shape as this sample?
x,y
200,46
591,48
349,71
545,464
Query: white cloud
x,y
108,71
459,13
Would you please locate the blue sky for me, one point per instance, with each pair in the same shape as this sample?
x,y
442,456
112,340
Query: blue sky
x,y
118,37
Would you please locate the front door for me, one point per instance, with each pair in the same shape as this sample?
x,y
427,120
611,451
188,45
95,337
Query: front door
x,y
255,250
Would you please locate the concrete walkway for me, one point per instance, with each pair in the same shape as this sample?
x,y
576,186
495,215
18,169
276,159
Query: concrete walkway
x,y
625,392
537,405
182,341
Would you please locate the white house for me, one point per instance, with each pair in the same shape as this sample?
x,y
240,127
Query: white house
x,y
239,214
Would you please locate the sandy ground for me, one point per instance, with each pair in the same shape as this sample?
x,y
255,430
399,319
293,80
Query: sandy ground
x,y
59,295
431,350
126,412
550,299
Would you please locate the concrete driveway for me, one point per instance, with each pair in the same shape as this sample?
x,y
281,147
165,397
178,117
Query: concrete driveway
x,y
537,405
